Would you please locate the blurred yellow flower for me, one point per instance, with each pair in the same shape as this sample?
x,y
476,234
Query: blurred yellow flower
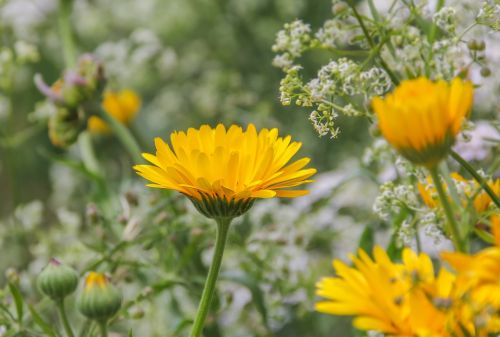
x,y
223,171
478,280
392,298
406,299
122,105
471,189
421,118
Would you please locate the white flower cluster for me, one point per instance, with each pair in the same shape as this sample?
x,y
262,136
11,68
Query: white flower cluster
x,y
446,19
291,42
394,197
334,33
342,78
489,14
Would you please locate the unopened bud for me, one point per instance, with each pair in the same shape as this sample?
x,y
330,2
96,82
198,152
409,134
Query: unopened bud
x,y
485,72
57,280
99,299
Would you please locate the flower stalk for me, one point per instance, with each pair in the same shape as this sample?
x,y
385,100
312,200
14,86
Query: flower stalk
x,y
213,273
65,30
103,327
123,134
452,227
64,318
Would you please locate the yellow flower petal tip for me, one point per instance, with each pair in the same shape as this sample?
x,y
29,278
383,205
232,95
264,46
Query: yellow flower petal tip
x,y
224,170
421,118
122,105
95,279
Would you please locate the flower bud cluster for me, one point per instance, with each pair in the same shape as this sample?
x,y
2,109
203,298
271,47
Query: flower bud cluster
x,y
99,300
70,95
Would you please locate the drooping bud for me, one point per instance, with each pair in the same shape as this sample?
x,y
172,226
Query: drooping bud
x,y
99,299
73,94
57,280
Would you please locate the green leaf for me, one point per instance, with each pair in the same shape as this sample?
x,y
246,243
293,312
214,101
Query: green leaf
x,y
18,300
181,326
367,239
46,327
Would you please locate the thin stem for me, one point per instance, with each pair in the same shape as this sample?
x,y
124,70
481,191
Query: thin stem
x,y
452,223
64,318
65,31
213,273
103,327
368,37
484,184
123,134
373,10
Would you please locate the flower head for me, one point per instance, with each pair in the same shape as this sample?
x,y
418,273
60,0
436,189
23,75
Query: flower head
x,y
421,118
121,105
407,299
478,280
392,298
224,171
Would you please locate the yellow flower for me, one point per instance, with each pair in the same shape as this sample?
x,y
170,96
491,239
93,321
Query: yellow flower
x,y
478,281
121,105
224,171
421,118
481,201
396,299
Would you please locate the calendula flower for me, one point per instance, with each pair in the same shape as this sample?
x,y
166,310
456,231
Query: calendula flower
x,y
478,281
393,298
421,118
122,105
407,299
224,171
481,200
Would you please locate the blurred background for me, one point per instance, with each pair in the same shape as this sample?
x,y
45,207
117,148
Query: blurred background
x,y
192,62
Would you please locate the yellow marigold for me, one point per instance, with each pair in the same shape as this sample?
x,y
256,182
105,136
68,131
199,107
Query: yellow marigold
x,y
478,281
471,189
397,299
421,118
224,171
122,105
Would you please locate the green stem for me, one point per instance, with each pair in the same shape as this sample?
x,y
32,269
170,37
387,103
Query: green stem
x,y
368,37
484,184
64,318
65,31
452,223
88,155
213,273
373,10
123,134
431,38
103,327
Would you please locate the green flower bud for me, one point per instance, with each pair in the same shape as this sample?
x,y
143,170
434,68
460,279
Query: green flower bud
x,y
57,280
65,126
99,300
